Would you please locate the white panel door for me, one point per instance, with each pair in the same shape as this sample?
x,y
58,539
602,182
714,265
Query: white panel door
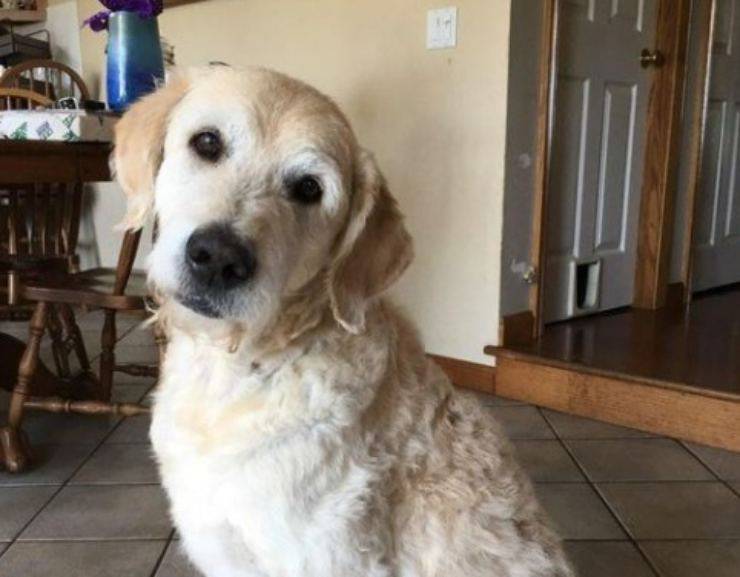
x,y
717,225
597,155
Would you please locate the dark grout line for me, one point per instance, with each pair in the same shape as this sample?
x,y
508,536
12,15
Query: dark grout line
x,y
66,482
50,499
29,485
625,528
565,482
699,459
130,442
707,466
597,540
667,540
603,499
692,539
646,557
158,563
113,484
613,439
616,436
656,482
630,482
164,540
161,540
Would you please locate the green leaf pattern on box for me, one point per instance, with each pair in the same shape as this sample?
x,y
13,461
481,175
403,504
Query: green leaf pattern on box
x,y
57,125
20,133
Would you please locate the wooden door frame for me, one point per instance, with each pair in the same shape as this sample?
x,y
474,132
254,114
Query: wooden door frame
x,y
545,118
699,105
661,157
662,152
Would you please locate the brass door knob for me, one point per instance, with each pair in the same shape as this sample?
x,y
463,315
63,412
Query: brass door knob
x,y
654,58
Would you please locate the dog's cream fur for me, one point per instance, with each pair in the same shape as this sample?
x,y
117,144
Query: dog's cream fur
x,y
304,433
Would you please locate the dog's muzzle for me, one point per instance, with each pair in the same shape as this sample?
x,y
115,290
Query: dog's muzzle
x,y
218,262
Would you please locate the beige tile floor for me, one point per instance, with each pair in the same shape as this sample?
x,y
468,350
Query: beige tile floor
x,y
627,503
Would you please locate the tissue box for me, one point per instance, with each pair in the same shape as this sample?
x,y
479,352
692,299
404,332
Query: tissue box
x,y
59,125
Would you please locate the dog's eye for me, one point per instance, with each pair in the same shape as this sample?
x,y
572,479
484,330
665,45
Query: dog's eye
x,y
207,145
306,190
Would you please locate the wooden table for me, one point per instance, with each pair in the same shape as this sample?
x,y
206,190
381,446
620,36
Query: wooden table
x,y
32,161
29,162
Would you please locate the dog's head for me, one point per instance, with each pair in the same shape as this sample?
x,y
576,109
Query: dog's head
x,y
259,189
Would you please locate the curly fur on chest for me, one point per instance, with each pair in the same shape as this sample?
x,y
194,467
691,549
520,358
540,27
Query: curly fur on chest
x,y
338,458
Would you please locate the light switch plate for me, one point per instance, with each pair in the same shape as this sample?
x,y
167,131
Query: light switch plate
x,y
442,28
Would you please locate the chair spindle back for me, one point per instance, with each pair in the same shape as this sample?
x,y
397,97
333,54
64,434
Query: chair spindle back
x,y
52,79
21,99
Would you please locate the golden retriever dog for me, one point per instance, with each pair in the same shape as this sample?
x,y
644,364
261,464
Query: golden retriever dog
x,y
299,428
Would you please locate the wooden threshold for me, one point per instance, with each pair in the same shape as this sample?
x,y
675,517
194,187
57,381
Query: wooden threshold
x,y
468,375
661,407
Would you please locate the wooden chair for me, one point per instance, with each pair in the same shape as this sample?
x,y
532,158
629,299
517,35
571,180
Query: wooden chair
x,y
21,99
39,227
38,224
54,295
52,79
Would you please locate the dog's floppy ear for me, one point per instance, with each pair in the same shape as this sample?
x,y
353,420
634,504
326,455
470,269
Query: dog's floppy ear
x,y
139,142
373,251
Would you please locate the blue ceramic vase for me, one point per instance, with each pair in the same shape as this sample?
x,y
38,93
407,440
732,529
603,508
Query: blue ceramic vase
x,y
135,65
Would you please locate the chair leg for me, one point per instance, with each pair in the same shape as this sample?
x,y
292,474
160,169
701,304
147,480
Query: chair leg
x,y
13,441
61,354
73,332
107,355
13,290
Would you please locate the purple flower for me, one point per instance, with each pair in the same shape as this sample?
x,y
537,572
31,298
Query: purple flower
x,y
144,8
98,22
114,5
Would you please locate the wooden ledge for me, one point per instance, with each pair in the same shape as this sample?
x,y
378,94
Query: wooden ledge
x,y
532,358
684,412
468,375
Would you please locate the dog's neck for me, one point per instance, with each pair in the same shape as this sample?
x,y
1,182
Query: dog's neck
x,y
301,311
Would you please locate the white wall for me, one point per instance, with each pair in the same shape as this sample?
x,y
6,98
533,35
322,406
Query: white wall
x,y
62,22
435,119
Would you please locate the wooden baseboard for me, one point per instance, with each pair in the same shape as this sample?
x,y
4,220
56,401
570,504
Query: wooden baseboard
x,y
468,375
690,415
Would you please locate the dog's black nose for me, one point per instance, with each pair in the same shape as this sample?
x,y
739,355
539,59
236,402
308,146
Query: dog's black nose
x,y
218,259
